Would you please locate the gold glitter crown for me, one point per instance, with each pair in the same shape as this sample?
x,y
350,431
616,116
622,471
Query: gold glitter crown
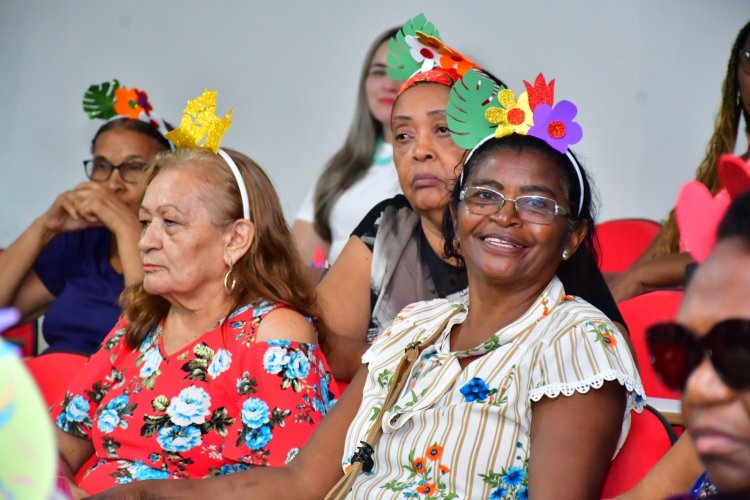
x,y
199,121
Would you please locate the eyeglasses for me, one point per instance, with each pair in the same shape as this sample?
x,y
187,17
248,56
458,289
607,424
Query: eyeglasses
x,y
744,60
100,170
534,209
676,352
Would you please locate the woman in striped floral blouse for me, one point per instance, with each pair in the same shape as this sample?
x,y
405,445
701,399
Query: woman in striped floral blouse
x,y
511,363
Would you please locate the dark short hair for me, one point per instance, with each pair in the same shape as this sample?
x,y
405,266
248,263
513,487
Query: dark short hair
x,y
139,126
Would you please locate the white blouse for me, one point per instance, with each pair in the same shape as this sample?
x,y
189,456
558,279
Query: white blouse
x,y
465,433
378,184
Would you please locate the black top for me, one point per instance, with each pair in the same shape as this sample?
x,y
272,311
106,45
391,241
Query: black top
x,y
449,279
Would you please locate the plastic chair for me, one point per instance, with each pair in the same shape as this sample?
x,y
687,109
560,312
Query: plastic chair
x,y
621,241
24,336
639,313
650,437
53,373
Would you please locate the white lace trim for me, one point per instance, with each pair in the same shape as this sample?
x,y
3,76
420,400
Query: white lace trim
x,y
636,395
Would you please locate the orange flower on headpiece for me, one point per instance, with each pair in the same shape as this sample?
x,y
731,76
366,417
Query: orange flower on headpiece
x,y
513,116
453,59
127,103
449,58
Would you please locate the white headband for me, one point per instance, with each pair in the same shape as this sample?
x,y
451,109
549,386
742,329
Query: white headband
x,y
240,183
570,156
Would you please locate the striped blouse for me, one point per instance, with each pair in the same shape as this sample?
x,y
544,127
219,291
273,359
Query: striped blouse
x,y
465,433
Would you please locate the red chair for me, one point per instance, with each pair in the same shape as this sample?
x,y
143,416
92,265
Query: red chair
x,y
621,241
53,373
24,336
639,313
650,437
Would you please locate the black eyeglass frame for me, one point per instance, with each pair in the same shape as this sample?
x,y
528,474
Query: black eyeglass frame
x,y
559,210
88,166
727,346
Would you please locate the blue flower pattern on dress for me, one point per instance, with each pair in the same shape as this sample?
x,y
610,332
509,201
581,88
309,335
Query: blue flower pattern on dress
x,y
258,438
221,362
191,406
475,389
178,438
255,413
195,424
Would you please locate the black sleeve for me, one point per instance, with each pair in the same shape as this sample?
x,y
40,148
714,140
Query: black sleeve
x,y
368,227
581,277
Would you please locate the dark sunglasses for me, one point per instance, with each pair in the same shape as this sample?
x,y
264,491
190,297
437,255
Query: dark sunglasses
x,y
676,351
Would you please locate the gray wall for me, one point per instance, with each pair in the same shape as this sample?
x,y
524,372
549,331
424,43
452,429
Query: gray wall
x,y
645,74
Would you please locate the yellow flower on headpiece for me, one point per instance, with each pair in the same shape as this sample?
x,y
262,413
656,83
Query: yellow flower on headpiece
x,y
514,116
198,121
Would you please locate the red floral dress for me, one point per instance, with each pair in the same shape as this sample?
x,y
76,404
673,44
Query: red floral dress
x,y
219,405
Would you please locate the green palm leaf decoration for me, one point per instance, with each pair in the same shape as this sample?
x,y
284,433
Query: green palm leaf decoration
x,y
401,65
469,99
99,100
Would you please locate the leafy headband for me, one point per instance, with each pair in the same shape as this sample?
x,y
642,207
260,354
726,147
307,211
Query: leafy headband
x,y
200,124
479,110
109,100
416,49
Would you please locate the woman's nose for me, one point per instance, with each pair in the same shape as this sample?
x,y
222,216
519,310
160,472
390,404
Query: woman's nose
x,y
424,148
149,238
704,387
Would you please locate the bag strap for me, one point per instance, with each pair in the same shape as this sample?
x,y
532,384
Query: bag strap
x,y
362,459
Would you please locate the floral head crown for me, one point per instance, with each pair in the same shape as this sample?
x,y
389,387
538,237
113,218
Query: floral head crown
x,y
109,100
479,109
200,124
416,50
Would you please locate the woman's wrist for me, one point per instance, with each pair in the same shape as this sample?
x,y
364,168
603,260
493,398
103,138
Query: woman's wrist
x,y
40,231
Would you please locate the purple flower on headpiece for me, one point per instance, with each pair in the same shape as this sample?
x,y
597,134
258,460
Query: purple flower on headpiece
x,y
555,126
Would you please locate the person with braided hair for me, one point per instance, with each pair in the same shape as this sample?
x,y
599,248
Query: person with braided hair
x,y
662,264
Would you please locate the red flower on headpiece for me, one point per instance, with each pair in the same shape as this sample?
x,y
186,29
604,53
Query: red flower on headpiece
x,y
541,92
143,101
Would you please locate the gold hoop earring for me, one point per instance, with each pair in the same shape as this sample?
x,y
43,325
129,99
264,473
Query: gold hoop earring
x,y
229,287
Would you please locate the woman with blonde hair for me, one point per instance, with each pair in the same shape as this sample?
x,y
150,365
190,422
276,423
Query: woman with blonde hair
x,y
360,174
214,365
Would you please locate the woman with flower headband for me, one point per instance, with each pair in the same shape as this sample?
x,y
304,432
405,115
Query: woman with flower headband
x,y
213,366
72,262
663,263
451,397
395,256
359,175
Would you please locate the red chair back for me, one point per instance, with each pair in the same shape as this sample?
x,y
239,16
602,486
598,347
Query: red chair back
x,y
621,241
648,441
24,336
639,313
54,372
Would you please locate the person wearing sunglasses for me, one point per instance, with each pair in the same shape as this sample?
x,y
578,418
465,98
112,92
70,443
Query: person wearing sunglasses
x,y
706,354
663,263
73,261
